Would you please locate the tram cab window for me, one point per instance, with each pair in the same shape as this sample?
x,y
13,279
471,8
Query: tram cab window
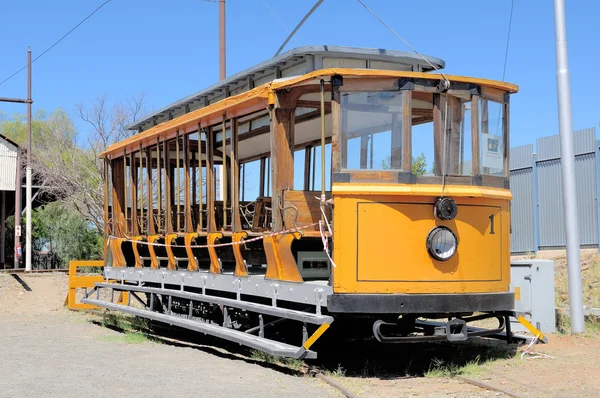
x,y
491,130
371,127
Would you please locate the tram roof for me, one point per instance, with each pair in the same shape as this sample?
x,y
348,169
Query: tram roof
x,y
260,97
295,62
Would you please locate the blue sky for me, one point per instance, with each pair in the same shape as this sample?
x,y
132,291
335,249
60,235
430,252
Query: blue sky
x,y
170,49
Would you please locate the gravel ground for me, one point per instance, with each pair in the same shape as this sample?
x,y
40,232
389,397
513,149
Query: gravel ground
x,y
48,351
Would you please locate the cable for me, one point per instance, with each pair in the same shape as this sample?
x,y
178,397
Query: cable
x,y
275,15
317,4
58,41
404,41
512,5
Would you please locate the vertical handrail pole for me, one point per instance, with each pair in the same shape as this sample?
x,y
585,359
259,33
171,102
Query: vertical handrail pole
x,y
322,145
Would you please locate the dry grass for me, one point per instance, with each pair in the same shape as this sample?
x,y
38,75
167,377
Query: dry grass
x,y
590,275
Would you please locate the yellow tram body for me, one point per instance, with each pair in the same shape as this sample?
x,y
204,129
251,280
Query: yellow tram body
x,y
405,245
392,258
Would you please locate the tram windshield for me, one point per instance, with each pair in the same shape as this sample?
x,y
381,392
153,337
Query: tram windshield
x,y
427,134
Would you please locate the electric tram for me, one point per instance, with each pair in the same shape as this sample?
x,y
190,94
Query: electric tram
x,y
286,195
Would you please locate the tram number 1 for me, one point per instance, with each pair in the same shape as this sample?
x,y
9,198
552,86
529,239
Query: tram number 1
x,y
491,224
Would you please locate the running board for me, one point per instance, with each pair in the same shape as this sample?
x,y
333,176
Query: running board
x,y
258,342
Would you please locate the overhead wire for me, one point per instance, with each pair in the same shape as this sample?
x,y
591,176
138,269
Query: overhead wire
x,y
276,17
512,6
56,42
400,37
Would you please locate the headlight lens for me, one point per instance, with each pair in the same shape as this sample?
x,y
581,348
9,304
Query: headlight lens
x,y
441,243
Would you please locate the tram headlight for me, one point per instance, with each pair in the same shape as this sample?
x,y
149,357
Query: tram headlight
x,y
445,209
441,243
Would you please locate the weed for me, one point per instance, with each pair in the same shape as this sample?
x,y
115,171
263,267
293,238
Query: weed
x,y
128,338
337,372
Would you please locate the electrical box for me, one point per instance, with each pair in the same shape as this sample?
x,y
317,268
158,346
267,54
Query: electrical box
x,y
532,282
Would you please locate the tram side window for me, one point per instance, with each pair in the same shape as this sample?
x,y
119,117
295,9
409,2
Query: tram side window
x,y
491,129
371,126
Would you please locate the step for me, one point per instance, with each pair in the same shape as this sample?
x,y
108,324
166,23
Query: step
x,y
259,343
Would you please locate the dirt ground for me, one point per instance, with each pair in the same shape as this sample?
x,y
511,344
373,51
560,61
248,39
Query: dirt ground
x,y
46,350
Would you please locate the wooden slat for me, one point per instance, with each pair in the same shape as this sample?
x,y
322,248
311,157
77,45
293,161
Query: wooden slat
x,y
406,131
178,184
159,197
336,134
396,144
141,195
307,161
454,109
149,183
168,190
133,179
506,134
200,182
125,182
225,166
282,155
210,183
308,208
236,223
484,125
105,217
186,184
437,134
372,84
261,190
492,94
475,135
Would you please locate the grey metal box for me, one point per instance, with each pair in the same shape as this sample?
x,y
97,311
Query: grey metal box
x,y
532,281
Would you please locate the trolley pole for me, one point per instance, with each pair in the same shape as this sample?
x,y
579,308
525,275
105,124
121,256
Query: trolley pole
x,y
568,169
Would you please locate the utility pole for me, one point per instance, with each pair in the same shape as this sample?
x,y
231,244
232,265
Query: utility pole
x,y
565,123
18,183
28,170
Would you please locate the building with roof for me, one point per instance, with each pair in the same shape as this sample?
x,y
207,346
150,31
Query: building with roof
x,y
10,173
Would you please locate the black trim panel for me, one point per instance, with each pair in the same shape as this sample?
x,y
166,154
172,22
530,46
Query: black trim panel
x,y
420,303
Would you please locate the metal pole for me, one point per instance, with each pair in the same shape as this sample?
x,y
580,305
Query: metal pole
x,y
222,57
28,225
18,206
568,169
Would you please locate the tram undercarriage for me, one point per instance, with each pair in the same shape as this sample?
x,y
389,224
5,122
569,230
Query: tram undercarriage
x,y
280,318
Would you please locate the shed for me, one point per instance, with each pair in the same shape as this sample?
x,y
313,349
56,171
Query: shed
x,y
9,194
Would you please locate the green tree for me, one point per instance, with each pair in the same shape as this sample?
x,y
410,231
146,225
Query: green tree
x,y
419,164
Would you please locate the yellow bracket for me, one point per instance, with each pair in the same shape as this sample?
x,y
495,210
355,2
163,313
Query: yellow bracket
x,y
308,343
118,258
192,264
168,241
85,282
215,266
134,245
153,258
281,264
531,328
240,265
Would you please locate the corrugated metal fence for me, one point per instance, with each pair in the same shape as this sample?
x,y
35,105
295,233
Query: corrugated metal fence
x,y
536,185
